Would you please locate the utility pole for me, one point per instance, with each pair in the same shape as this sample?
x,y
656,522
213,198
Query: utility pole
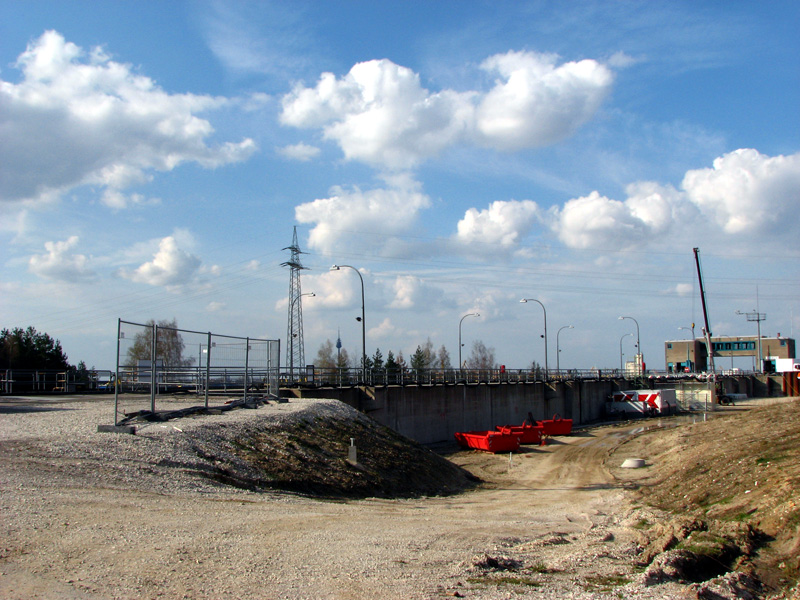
x,y
295,353
757,317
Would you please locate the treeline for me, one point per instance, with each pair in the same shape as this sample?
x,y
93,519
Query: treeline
x,y
28,349
424,357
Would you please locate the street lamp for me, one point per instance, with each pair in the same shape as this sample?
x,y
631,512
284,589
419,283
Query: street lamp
x,y
558,347
621,364
758,317
639,369
524,300
291,312
688,360
459,335
363,321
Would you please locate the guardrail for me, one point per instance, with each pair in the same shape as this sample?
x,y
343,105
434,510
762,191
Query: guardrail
x,y
347,377
227,380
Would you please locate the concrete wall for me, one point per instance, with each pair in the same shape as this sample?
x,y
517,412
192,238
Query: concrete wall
x,y
430,414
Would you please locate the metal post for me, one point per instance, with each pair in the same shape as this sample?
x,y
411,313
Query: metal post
x,y
621,364
459,336
363,318
208,366
558,348
116,375
639,355
153,352
246,366
546,369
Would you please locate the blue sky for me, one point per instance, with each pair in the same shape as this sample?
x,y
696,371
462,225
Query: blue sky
x,y
155,156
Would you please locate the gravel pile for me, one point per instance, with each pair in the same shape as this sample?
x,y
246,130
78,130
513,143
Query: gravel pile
x,y
185,455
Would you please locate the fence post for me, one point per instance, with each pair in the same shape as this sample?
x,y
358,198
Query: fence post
x,y
153,354
116,375
246,366
208,366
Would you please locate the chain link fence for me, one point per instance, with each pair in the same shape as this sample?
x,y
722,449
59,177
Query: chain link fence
x,y
165,369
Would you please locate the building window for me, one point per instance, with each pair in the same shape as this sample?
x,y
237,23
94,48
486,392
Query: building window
x,y
669,346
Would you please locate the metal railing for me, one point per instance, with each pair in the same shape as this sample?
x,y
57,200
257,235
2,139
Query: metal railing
x,y
343,377
45,381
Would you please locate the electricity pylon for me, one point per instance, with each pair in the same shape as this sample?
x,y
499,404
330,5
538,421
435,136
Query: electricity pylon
x,y
295,353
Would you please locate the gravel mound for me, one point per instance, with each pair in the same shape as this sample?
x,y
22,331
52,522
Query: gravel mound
x,y
300,446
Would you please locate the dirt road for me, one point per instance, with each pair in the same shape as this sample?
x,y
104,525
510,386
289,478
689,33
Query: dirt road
x,y
549,522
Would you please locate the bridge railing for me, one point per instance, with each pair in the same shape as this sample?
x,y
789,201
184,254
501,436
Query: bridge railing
x,y
344,377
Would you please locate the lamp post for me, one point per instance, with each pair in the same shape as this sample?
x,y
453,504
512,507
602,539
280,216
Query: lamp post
x,y
758,317
363,322
459,335
639,369
621,364
544,310
558,347
291,312
688,360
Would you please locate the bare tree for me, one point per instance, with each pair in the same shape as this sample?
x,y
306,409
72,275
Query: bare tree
x,y
481,357
429,354
169,345
443,359
343,359
329,357
325,357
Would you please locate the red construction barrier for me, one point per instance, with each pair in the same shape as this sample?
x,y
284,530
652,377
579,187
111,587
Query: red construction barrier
x,y
528,434
556,426
489,441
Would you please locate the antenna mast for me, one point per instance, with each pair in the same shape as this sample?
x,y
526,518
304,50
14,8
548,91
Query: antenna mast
x,y
295,353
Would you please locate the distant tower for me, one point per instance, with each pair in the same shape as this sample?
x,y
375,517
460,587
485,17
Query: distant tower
x,y
295,354
338,348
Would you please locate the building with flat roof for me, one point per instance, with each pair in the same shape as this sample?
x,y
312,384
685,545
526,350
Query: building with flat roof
x,y
691,356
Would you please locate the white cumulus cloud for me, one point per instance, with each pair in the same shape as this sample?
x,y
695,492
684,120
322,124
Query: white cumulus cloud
x,y
744,192
60,263
747,192
537,102
407,290
302,152
347,214
504,223
379,112
171,266
78,118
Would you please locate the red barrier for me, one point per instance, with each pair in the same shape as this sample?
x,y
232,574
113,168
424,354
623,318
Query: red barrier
x,y
489,441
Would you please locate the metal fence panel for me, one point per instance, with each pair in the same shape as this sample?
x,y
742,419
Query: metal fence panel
x,y
161,369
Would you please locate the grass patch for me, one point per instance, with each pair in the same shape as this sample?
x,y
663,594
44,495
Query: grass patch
x,y
518,580
539,567
605,583
770,458
740,517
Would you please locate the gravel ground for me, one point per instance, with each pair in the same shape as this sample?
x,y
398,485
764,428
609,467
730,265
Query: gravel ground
x,y
93,515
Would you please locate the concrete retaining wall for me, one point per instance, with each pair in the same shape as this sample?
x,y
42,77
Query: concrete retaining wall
x,y
432,413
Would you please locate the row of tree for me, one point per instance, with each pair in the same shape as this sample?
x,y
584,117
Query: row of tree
x,y
28,349
424,357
